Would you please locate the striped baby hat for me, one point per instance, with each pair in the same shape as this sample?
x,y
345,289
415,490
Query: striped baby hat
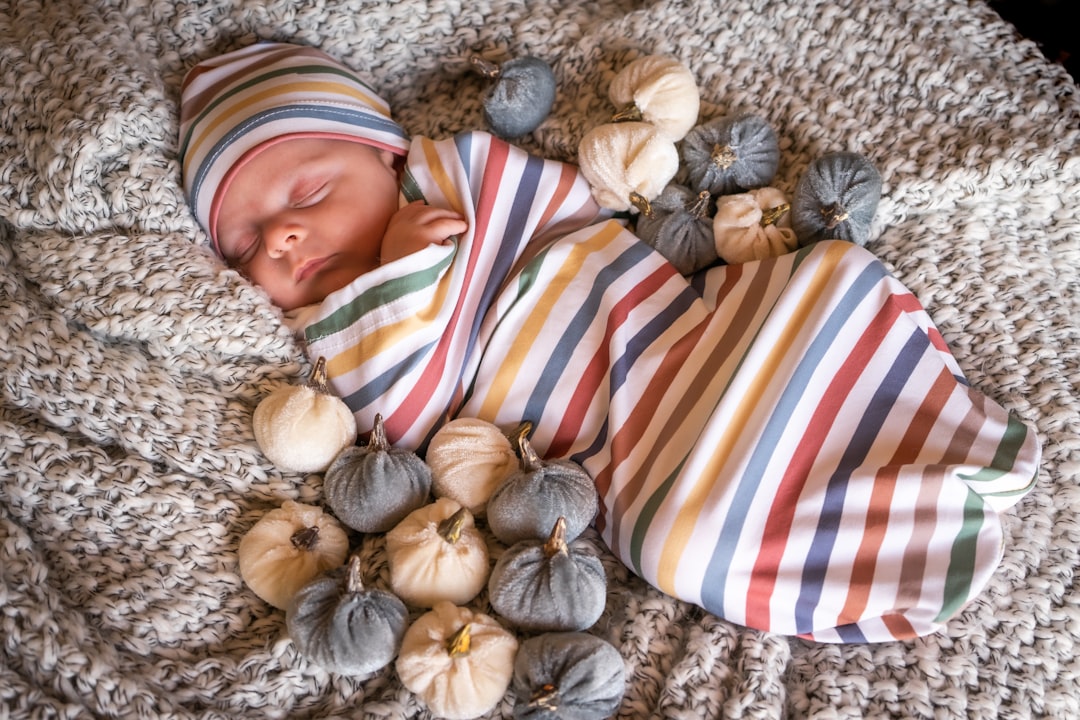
x,y
234,105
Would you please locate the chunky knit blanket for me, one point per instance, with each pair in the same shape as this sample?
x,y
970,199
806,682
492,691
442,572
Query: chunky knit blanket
x,y
131,361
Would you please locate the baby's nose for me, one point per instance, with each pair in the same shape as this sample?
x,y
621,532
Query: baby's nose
x,y
281,238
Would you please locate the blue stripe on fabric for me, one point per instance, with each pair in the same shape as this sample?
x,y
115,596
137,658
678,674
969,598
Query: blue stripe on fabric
x,y
869,427
348,116
555,368
635,346
714,581
385,381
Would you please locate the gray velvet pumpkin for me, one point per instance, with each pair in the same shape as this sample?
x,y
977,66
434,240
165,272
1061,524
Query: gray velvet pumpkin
x,y
527,504
567,676
836,199
342,626
520,96
730,154
371,488
550,585
680,229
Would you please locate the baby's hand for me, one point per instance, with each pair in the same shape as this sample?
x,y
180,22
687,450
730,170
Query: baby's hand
x,y
416,226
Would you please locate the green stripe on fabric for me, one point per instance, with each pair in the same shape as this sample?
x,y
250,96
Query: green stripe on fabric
x,y
648,510
377,296
962,558
1012,442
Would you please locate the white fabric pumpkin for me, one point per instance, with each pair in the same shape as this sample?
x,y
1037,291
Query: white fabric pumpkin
x,y
288,547
436,553
753,226
302,428
659,90
459,663
469,458
625,162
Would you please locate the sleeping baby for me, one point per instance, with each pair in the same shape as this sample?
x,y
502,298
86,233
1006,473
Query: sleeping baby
x,y
786,443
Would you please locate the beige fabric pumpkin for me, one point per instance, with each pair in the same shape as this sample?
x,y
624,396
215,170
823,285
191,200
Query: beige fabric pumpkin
x,y
627,163
302,428
287,548
659,90
753,226
458,662
469,458
436,553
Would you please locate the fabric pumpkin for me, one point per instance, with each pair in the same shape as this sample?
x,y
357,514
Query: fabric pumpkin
x,y
528,503
469,458
436,553
372,487
288,547
302,428
753,226
731,154
659,90
627,164
567,676
836,199
342,626
458,662
548,585
520,96
680,228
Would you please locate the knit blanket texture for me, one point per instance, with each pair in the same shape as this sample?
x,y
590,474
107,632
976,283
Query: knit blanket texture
x,y
131,360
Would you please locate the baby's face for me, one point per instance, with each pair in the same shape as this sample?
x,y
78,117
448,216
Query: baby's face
x,y
306,216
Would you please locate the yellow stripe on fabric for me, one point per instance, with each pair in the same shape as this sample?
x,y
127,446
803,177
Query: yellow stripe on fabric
x,y
319,86
438,173
518,355
679,536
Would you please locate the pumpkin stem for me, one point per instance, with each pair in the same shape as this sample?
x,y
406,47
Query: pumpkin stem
x,y
353,582
834,215
484,67
545,698
723,156
378,440
530,461
630,113
701,205
450,528
556,542
305,538
317,381
521,430
460,642
641,203
773,215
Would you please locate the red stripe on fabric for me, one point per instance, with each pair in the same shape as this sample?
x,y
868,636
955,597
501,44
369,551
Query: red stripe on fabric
x,y
596,371
406,414
877,515
777,531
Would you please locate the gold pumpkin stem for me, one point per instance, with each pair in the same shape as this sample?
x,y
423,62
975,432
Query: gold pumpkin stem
x,y
701,205
354,583
556,542
523,429
460,642
527,456
641,203
450,528
773,215
834,215
484,67
630,113
378,440
305,538
318,379
723,156
545,698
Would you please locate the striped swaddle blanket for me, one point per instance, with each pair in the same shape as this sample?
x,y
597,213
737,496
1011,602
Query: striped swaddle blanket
x,y
787,443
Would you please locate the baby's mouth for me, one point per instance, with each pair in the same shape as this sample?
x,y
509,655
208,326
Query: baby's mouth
x,y
309,268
